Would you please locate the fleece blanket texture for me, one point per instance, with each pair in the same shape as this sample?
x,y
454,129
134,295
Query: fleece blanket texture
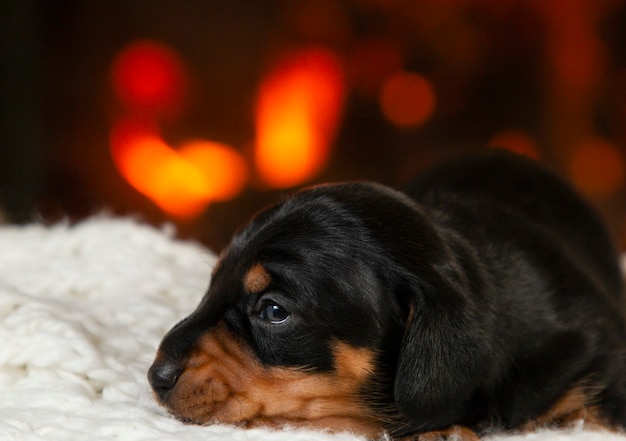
x,y
82,310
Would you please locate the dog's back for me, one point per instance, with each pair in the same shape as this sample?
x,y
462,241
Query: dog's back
x,y
528,195
543,239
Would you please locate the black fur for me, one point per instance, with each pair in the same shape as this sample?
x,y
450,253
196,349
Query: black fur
x,y
487,294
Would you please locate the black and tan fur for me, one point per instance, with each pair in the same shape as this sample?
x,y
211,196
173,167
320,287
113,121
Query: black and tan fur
x,y
488,297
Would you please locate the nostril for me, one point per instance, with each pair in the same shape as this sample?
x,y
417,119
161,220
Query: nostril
x,y
163,376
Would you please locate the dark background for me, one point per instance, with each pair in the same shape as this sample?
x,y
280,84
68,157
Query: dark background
x,y
554,71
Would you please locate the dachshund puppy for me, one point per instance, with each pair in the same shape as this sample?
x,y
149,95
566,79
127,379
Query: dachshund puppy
x,y
487,298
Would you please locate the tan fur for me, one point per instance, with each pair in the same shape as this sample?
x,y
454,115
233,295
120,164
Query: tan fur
x,y
354,363
576,405
257,279
223,382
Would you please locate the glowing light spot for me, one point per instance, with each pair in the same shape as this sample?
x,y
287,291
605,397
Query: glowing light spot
x,y
516,141
224,169
297,114
150,77
597,167
407,99
182,183
155,170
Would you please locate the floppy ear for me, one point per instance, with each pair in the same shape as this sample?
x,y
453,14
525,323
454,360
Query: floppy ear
x,y
445,352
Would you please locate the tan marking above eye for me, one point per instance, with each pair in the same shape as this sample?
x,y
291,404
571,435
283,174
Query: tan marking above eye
x,y
257,279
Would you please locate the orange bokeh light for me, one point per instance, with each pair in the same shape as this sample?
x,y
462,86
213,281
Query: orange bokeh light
x,y
597,167
407,99
148,76
182,183
516,141
150,80
224,169
297,113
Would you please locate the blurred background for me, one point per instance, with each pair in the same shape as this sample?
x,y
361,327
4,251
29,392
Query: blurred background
x,y
199,113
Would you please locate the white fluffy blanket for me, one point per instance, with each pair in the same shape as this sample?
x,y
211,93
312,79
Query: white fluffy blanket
x,y
82,310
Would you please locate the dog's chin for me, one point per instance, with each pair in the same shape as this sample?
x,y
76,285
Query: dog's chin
x,y
192,415
209,421
201,418
191,421
330,424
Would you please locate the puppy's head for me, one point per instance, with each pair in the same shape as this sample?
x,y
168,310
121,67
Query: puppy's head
x,y
322,313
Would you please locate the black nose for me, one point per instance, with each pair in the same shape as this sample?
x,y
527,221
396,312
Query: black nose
x,y
163,376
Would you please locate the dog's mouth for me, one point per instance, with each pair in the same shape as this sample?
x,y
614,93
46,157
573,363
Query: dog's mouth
x,y
223,382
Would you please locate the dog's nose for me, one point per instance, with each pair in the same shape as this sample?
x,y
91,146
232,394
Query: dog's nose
x,y
163,376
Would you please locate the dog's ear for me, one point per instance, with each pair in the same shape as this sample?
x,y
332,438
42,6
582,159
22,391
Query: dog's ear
x,y
445,353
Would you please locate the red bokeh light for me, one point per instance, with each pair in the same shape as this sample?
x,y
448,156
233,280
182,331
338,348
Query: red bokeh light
x,y
597,167
149,77
516,141
407,99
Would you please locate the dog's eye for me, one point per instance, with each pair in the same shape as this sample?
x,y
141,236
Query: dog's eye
x,y
274,313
